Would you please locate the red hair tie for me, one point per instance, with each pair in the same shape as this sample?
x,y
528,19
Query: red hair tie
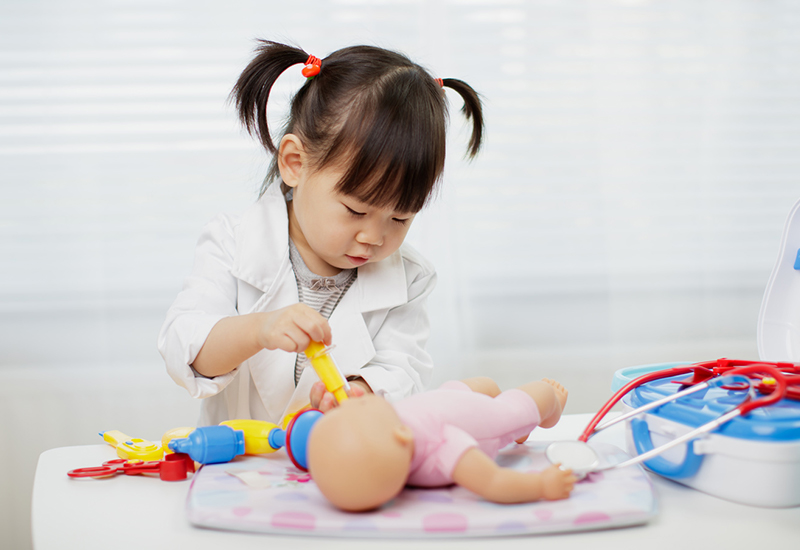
x,y
439,82
312,68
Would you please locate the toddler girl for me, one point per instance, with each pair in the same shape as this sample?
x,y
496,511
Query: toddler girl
x,y
321,253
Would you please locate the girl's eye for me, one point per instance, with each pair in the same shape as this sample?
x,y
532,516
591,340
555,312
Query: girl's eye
x,y
353,212
401,221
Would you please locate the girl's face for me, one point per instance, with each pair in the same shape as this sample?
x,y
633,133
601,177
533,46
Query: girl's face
x,y
333,231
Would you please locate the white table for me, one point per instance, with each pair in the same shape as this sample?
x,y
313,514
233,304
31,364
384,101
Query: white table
x,y
141,513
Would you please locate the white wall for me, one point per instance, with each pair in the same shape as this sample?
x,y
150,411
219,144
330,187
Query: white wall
x,y
641,158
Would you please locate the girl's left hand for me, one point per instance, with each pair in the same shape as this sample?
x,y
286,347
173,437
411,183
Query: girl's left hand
x,y
324,400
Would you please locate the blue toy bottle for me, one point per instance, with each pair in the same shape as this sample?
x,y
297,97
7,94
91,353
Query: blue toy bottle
x,y
211,444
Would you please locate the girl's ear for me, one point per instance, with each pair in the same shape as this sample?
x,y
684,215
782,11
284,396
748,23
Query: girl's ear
x,y
291,159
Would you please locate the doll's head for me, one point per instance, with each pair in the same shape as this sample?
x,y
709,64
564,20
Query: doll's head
x,y
359,454
371,112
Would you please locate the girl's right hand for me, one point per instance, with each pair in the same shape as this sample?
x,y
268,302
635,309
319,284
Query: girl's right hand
x,y
293,328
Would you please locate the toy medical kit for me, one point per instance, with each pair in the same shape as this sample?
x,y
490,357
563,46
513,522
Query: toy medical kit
x,y
327,370
211,444
732,376
275,497
175,467
132,448
753,459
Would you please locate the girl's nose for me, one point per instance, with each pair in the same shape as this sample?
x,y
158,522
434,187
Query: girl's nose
x,y
371,236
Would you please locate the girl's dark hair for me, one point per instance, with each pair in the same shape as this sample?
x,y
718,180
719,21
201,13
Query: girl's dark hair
x,y
372,111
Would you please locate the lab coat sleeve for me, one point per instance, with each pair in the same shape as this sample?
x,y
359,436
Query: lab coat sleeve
x,y
208,295
401,365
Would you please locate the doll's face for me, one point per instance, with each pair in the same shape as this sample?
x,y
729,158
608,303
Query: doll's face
x,y
359,454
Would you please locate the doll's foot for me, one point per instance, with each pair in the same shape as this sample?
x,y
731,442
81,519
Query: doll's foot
x,y
561,400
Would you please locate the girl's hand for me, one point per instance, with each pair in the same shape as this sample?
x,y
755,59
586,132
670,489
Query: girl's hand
x,y
293,328
324,400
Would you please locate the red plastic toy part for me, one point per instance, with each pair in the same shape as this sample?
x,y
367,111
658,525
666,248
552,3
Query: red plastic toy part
x,y
174,467
781,377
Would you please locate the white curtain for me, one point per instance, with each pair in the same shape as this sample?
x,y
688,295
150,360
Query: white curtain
x,y
639,163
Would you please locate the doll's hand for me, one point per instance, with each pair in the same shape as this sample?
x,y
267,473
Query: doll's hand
x,y
557,483
324,400
293,328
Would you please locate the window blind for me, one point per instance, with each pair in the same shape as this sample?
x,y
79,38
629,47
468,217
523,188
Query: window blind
x,y
640,160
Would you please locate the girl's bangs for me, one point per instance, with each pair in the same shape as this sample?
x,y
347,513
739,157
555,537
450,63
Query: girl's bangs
x,y
394,151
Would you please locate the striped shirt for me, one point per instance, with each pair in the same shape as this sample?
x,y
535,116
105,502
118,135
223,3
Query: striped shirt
x,y
319,293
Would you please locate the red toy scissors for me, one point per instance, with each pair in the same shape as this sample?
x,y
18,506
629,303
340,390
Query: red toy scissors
x,y
174,467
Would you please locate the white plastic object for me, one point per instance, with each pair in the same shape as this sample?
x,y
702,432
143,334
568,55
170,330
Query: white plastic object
x,y
756,473
778,331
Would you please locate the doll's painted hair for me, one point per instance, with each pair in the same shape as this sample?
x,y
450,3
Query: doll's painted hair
x,y
374,112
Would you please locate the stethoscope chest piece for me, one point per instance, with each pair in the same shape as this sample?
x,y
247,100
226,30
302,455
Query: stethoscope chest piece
x,y
577,456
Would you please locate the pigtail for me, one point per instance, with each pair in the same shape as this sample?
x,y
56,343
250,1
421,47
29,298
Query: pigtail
x,y
252,90
472,111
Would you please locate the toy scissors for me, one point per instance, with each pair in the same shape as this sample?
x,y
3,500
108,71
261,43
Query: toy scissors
x,y
174,467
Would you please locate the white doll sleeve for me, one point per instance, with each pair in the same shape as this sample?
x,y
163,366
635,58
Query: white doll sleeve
x,y
208,295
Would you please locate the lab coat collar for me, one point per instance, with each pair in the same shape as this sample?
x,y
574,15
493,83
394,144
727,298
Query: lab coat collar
x,y
262,251
262,241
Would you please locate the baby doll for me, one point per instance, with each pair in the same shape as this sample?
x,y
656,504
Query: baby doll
x,y
365,451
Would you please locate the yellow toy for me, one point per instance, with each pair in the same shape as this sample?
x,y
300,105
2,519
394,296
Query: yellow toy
x,y
258,435
261,437
132,448
328,371
174,433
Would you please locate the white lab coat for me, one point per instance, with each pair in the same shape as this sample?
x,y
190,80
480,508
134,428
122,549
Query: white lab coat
x,y
242,265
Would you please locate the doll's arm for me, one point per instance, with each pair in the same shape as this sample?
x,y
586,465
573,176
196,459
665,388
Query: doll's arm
x,y
480,474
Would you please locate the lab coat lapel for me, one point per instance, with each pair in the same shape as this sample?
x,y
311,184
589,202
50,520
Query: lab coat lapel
x,y
377,288
262,261
262,243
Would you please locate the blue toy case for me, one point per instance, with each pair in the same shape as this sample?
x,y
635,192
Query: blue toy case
x,y
753,459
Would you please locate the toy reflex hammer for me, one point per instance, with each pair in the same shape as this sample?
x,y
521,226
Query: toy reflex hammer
x,y
131,448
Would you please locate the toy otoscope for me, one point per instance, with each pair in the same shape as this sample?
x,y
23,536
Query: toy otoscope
x,y
214,444
223,443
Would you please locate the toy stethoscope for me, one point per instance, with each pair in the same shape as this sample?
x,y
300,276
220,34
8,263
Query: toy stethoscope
x,y
775,380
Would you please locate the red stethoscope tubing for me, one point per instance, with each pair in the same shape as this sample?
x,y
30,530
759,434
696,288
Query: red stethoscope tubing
x,y
704,371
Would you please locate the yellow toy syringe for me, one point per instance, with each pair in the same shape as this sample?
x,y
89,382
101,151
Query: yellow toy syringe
x,y
327,370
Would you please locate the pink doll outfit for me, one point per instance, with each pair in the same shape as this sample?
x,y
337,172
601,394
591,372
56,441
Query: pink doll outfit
x,y
452,419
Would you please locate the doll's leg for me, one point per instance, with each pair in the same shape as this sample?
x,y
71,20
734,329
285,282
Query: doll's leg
x,y
484,385
550,397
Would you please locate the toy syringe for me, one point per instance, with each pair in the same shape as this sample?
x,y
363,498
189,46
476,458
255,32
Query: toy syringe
x,y
327,370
